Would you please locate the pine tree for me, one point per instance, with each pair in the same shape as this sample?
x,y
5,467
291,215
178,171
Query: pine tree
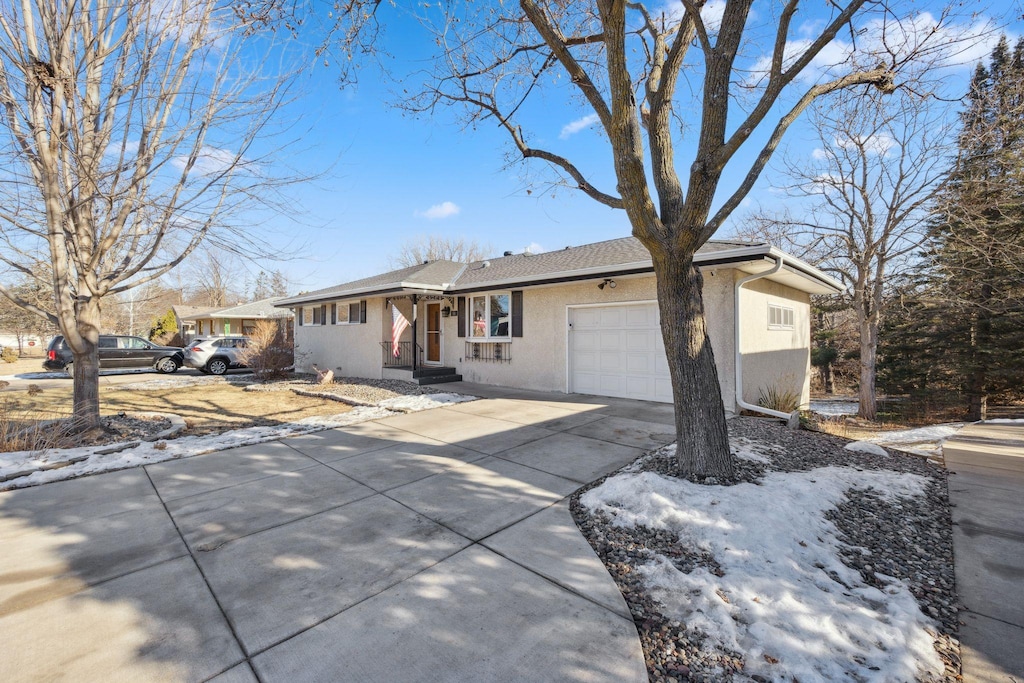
x,y
977,239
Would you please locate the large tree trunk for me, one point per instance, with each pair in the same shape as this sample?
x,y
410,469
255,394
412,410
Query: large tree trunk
x,y
86,356
702,438
977,374
868,408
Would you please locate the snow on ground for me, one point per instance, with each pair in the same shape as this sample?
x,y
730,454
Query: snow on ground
x,y
62,374
866,447
918,434
749,449
776,602
408,404
834,406
99,458
1004,420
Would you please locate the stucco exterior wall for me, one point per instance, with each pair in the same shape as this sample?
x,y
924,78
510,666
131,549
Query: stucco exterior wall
x,y
774,357
350,350
539,358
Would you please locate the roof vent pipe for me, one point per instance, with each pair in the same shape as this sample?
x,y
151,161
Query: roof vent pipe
x,y
779,262
485,264
507,253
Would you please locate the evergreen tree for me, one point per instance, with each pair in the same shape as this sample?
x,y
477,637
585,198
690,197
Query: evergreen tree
x,y
976,284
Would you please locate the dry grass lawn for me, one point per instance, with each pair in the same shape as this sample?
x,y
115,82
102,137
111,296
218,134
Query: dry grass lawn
x,y
207,408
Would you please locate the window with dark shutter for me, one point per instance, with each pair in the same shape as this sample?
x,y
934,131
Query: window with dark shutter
x,y
461,303
298,314
323,314
517,313
353,312
362,311
334,314
316,315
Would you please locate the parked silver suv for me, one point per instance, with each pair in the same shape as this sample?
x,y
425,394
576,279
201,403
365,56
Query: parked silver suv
x,y
216,355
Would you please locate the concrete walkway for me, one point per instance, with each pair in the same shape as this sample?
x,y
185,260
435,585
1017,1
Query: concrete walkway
x,y
987,491
433,546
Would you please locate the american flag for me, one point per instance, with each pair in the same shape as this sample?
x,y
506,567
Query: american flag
x,y
398,325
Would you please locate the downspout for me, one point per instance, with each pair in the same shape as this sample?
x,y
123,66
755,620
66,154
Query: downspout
x,y
779,262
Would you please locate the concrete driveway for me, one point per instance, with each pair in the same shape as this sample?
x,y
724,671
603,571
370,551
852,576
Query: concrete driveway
x,y
987,493
433,546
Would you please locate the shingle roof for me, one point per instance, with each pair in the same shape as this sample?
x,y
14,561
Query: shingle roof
x,y
190,312
608,254
620,254
263,308
433,275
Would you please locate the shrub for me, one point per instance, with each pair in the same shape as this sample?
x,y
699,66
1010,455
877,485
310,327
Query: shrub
x,y
23,431
774,398
270,353
164,329
8,355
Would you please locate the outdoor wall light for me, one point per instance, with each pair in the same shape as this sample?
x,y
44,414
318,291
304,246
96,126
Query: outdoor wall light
x,y
608,282
446,312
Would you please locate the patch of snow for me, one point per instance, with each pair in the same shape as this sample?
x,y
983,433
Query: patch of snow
x,y
97,459
35,375
918,434
776,602
1004,420
834,407
866,447
407,404
750,449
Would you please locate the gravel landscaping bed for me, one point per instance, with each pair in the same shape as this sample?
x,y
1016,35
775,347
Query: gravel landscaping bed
x,y
911,542
359,390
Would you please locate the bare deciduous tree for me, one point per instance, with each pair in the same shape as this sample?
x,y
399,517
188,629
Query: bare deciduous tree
x,y
437,248
127,138
868,187
747,80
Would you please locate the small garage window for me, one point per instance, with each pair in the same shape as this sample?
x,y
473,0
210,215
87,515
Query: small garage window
x,y
780,317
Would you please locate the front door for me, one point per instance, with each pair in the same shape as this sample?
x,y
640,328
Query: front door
x,y
433,333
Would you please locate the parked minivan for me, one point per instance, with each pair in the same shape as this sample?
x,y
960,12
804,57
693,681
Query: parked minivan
x,y
117,351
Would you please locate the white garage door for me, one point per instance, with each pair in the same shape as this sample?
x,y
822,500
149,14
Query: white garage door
x,y
618,351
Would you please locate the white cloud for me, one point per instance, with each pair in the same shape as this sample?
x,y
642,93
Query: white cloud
x,y
711,13
576,126
819,154
934,42
439,211
209,161
875,144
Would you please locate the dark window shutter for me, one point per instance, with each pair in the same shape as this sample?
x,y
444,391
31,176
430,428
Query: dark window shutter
x,y
517,313
323,314
461,303
298,314
334,314
362,311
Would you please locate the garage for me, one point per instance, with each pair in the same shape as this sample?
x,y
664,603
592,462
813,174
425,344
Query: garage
x,y
618,351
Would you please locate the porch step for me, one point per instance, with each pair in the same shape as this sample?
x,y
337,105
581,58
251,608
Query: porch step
x,y
432,372
423,376
438,379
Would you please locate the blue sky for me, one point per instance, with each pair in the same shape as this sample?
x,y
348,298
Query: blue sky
x,y
389,176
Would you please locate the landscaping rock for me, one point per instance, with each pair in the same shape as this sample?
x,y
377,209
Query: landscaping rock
x,y
885,539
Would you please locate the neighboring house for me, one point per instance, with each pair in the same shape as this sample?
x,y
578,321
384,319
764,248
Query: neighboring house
x,y
195,322
186,317
580,320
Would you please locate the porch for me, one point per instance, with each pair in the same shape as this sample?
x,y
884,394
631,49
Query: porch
x,y
403,361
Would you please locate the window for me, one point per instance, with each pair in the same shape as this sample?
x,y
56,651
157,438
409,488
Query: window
x,y
343,311
490,315
307,315
355,312
780,317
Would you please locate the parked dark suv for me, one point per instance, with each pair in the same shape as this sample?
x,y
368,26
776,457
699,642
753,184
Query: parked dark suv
x,y
117,351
